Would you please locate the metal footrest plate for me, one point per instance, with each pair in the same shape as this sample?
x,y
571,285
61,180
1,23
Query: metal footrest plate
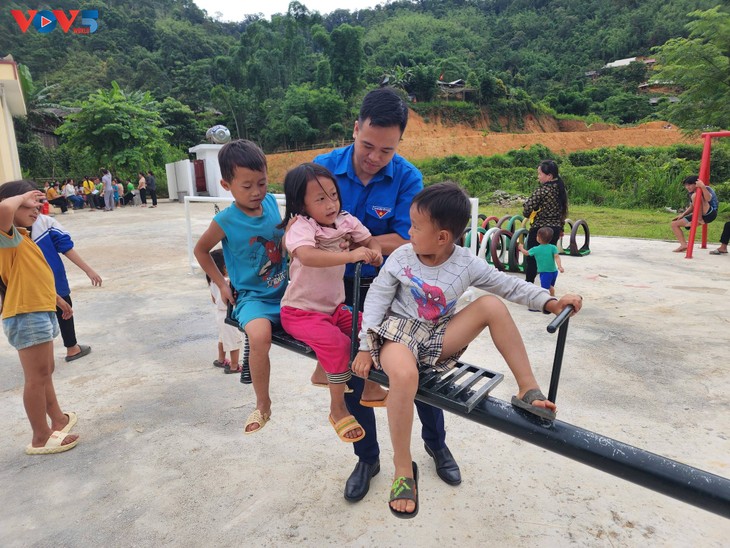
x,y
459,389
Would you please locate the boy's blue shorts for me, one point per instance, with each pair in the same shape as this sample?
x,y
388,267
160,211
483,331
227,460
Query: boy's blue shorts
x,y
31,329
547,279
246,311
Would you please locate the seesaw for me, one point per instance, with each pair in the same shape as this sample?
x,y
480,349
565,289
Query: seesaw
x,y
465,390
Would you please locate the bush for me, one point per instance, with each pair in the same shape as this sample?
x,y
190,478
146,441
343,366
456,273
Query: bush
x,y
530,157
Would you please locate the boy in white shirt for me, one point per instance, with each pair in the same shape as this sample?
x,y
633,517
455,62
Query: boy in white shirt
x,y
409,321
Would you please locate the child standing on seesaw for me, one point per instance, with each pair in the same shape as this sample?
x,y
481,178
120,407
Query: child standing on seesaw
x,y
409,321
29,303
229,338
313,308
252,248
547,257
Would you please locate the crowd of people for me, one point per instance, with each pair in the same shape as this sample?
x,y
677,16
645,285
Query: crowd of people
x,y
103,192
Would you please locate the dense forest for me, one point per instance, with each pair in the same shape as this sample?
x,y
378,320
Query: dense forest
x,y
295,80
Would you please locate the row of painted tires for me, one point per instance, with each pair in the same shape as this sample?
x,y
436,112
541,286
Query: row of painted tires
x,y
500,246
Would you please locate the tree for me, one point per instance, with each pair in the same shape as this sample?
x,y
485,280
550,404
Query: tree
x,y
423,82
180,121
36,160
118,130
298,130
626,108
241,108
700,65
346,58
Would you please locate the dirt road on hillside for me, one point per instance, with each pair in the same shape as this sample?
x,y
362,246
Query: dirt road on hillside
x,y
434,140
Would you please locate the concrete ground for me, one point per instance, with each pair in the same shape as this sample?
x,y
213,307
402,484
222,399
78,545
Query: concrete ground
x,y
163,460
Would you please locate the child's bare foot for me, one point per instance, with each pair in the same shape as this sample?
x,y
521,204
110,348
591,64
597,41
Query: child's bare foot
x,y
319,377
680,249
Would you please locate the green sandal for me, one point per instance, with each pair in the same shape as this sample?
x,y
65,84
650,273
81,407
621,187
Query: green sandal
x,y
405,489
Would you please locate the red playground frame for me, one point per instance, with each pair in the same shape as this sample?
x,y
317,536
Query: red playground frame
x,y
705,178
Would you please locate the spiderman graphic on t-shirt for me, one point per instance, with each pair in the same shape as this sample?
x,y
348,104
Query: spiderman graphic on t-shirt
x,y
431,300
271,264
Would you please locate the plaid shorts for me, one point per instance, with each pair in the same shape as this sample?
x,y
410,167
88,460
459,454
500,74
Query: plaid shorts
x,y
424,339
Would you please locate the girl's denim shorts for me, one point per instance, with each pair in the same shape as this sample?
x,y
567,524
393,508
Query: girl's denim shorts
x,y
26,330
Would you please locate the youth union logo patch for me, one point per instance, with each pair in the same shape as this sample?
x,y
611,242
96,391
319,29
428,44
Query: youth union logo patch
x,y
381,211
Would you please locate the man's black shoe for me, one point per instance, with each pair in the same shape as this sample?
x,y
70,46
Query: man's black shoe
x,y
446,466
358,484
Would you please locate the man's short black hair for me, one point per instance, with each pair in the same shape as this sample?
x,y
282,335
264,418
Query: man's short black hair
x,y
240,153
448,206
384,108
691,180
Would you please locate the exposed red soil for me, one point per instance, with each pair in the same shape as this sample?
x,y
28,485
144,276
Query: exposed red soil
x,y
434,140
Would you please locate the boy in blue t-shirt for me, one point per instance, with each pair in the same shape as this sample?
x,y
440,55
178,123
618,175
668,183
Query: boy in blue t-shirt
x,y
252,247
547,257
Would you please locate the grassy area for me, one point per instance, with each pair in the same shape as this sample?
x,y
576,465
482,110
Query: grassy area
x,y
625,223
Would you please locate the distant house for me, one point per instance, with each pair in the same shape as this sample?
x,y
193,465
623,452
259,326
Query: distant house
x,y
654,101
456,89
626,62
659,86
456,84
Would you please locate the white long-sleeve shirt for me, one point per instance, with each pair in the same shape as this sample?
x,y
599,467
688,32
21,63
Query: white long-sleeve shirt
x,y
407,288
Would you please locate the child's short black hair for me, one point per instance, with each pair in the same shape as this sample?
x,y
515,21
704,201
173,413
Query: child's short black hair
x,y
691,180
16,188
295,188
448,206
240,153
384,108
545,234
220,262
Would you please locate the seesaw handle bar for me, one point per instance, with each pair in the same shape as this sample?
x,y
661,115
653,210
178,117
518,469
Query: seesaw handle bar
x,y
560,319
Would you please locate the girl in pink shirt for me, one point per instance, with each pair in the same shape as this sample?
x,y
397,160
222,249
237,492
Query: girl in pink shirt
x,y
313,309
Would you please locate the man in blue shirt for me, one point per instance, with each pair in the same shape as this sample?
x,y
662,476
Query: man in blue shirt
x,y
377,186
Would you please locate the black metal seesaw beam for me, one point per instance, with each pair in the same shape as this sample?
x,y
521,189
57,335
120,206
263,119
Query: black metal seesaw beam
x,y
669,477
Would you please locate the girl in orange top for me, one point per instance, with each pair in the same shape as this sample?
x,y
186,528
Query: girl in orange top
x,y
29,303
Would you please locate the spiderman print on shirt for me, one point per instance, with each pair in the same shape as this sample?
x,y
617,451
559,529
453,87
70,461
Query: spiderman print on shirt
x,y
267,257
430,299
